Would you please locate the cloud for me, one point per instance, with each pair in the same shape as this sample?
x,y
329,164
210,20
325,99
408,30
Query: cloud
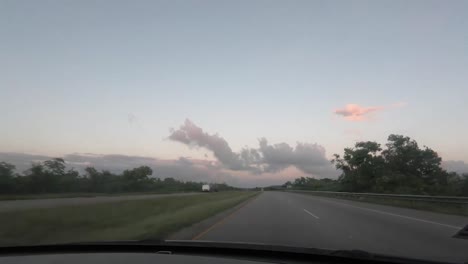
x,y
267,164
22,161
354,112
309,158
457,166
185,161
192,135
131,118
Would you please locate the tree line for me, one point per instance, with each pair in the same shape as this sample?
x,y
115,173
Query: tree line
x,y
400,167
52,176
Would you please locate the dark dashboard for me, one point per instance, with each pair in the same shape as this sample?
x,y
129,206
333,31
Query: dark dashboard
x,y
185,252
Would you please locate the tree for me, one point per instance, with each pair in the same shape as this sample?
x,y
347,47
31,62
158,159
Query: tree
x,y
69,181
48,175
402,167
137,179
55,166
308,183
361,166
96,181
417,170
52,176
464,184
7,178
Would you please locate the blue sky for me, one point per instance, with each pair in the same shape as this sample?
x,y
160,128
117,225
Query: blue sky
x,y
111,77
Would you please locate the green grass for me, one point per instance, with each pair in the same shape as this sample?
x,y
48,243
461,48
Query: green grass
x,y
72,195
446,208
128,220
48,196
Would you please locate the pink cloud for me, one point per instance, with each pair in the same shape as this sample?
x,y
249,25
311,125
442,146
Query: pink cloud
x,y
354,112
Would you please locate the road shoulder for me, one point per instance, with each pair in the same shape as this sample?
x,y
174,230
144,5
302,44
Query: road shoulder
x,y
194,231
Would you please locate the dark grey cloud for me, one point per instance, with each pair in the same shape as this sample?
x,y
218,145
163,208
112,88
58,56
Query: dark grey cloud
x,y
309,158
184,161
455,165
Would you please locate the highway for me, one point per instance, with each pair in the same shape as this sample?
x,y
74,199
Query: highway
x,y
309,221
14,205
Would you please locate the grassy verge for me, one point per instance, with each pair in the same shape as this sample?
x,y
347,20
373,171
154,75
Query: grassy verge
x,y
48,196
446,208
72,195
128,220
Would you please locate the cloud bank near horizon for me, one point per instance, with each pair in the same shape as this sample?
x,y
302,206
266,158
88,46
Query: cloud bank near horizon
x,y
181,169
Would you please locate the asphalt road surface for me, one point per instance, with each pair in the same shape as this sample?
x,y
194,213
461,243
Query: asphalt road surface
x,y
309,221
13,205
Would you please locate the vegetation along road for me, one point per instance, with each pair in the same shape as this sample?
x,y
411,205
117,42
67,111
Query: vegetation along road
x,y
122,220
13,205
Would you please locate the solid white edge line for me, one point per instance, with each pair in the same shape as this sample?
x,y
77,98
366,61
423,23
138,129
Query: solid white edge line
x,y
397,215
311,214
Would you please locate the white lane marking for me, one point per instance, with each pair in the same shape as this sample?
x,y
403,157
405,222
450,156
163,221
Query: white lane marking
x,y
397,215
311,214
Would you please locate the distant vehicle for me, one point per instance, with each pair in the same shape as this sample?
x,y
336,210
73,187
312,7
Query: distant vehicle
x,y
206,188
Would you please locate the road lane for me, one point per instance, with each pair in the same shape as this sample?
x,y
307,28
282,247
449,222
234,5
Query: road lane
x,y
309,221
14,205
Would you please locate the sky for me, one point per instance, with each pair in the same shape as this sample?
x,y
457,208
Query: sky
x,y
304,78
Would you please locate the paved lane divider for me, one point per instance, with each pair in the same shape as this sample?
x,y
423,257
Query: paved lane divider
x,y
311,214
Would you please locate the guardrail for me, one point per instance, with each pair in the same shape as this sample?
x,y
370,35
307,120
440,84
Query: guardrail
x,y
427,198
445,204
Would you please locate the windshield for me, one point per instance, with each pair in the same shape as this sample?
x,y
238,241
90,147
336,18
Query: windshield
x,y
312,124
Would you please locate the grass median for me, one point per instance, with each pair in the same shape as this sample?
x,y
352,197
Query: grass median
x,y
127,220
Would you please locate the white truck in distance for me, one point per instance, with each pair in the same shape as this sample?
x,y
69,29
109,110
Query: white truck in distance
x,y
205,188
